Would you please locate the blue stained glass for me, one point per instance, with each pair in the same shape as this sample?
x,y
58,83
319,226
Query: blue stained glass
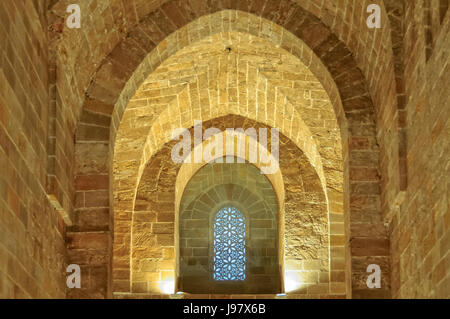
x,y
229,245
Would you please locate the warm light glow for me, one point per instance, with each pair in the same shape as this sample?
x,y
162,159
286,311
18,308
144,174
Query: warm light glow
x,y
292,281
168,287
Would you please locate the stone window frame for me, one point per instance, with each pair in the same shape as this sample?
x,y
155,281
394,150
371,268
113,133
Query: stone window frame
x,y
213,212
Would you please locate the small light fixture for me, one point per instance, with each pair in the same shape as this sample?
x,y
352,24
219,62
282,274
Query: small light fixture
x,y
177,295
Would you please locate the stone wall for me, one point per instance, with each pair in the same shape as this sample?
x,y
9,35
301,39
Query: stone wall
x,y
222,185
380,94
32,231
420,228
308,269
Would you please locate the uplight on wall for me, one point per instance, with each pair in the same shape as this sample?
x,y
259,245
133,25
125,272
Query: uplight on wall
x,y
292,281
168,287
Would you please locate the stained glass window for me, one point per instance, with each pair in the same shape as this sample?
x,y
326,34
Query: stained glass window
x,y
229,245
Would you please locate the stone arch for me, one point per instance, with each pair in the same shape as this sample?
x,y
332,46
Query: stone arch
x,y
350,87
173,110
261,215
167,129
189,168
302,191
130,20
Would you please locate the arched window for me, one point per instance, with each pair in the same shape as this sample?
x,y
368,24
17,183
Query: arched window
x,y
229,245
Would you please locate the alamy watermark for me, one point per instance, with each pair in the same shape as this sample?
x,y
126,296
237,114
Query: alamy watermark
x,y
74,279
74,18
374,19
374,279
